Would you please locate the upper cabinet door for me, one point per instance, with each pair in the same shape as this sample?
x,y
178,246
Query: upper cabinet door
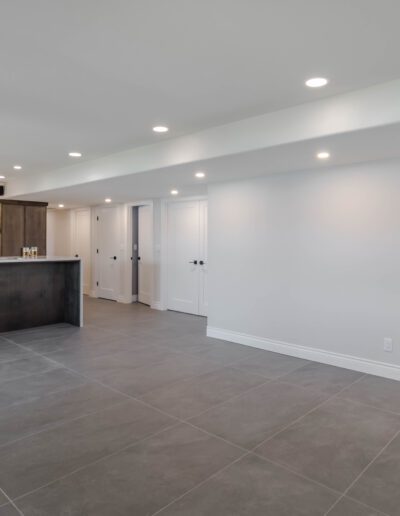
x,y
35,228
12,229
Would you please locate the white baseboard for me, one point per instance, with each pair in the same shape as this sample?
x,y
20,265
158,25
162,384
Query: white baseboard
x,y
92,293
317,355
156,305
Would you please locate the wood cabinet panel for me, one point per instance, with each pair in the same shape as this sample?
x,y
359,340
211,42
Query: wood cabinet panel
x,y
35,228
12,229
22,223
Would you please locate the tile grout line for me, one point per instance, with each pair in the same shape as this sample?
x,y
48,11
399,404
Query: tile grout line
x,y
61,424
216,473
303,416
362,472
180,421
105,457
11,502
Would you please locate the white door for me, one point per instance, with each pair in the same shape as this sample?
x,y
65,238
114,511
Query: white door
x,y
107,244
145,258
81,244
186,249
203,237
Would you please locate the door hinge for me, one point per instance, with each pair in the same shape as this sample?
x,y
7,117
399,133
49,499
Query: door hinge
x,y
97,251
97,283
97,217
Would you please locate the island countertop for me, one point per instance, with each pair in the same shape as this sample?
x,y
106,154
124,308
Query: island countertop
x,y
20,259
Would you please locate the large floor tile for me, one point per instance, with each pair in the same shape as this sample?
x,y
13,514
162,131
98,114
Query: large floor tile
x,y
271,365
154,376
72,339
51,331
250,419
9,510
24,366
37,385
254,487
348,507
3,499
10,351
42,458
334,443
322,377
200,345
115,364
54,409
375,391
190,397
139,481
80,355
379,486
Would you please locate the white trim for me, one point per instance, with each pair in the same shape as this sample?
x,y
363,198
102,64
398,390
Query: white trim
x,y
93,293
164,244
363,365
157,306
127,274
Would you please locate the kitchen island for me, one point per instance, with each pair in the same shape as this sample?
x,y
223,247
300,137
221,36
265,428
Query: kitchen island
x,y
40,291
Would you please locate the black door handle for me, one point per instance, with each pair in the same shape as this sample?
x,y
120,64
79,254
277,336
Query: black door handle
x,y
113,257
194,261
201,262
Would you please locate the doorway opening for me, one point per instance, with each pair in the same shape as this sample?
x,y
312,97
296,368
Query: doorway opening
x,y
142,259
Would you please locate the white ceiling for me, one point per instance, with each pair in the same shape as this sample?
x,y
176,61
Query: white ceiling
x,y
96,75
346,149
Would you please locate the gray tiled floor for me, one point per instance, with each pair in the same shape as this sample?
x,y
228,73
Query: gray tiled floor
x,y
139,413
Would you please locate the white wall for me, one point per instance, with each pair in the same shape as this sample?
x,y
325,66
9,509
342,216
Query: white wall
x,y
310,259
59,232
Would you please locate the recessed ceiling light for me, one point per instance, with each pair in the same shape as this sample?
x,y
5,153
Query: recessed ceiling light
x,y
174,192
17,167
323,155
2,177
200,175
75,154
108,200
160,129
316,82
61,206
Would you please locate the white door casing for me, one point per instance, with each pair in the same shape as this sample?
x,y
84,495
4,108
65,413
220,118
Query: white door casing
x,y
82,244
186,247
107,244
145,264
203,257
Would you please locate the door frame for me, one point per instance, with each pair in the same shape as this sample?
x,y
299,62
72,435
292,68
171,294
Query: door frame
x,y
72,246
129,298
163,305
95,240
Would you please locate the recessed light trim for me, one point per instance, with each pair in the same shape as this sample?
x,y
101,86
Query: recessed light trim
x,y
160,129
61,206
174,192
323,155
75,154
17,167
108,200
200,175
317,82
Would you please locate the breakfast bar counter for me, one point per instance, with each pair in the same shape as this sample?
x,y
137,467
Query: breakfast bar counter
x,y
39,291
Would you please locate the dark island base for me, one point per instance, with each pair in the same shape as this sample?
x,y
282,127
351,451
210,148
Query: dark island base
x,y
39,293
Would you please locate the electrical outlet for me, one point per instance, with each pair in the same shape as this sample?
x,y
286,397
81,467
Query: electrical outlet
x,y
388,344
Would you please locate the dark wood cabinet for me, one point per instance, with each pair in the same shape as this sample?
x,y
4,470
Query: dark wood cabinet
x,y
22,223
